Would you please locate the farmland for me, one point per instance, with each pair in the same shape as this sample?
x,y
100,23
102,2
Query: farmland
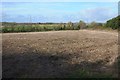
x,y
60,50
59,39
56,54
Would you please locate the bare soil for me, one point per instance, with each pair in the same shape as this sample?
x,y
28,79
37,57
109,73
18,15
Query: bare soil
x,y
57,54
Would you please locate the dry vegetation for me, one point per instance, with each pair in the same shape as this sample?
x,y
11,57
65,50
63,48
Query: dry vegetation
x,y
82,53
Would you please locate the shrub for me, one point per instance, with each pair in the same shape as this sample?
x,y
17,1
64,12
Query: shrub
x,y
113,23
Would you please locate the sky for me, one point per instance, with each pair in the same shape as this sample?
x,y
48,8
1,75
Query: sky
x,y
58,11
59,0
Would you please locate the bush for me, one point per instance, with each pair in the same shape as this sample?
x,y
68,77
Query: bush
x,y
113,23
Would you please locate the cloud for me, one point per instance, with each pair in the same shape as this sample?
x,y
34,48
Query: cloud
x,y
106,14
59,12
88,15
97,14
91,14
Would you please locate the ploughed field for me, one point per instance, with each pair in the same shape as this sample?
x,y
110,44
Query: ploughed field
x,y
55,54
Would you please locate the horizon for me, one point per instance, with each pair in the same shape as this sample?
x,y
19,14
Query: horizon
x,y
48,22
58,12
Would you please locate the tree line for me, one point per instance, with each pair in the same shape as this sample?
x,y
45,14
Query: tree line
x,y
36,27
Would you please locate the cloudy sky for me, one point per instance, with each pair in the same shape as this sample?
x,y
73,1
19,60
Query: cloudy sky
x,y
58,11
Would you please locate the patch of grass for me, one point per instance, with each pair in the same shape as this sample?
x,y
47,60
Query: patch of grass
x,y
85,73
81,73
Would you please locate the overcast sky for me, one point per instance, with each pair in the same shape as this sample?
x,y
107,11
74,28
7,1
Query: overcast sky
x,y
58,11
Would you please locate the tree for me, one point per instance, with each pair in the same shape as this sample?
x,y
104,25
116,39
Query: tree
x,y
70,25
93,24
81,25
113,23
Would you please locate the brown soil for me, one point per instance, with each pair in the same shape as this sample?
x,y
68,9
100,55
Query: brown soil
x,y
58,53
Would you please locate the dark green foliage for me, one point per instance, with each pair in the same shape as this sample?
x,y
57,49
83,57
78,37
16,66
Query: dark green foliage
x,y
113,23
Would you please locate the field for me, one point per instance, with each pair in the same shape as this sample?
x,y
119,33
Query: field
x,y
81,53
